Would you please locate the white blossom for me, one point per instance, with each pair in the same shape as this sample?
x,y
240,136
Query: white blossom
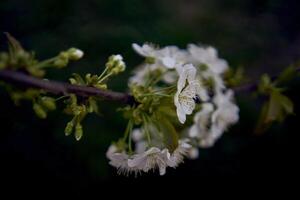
x,y
167,57
141,73
146,50
151,159
209,123
171,56
119,160
188,88
209,57
202,120
227,112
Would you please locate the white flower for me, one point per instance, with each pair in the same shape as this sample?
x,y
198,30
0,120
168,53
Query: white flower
x,y
210,124
151,159
184,149
117,57
119,160
227,112
167,57
170,56
170,77
188,88
155,158
146,50
203,129
193,153
141,73
202,120
137,135
209,57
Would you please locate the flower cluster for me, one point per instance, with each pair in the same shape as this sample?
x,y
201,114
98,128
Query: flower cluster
x,y
187,84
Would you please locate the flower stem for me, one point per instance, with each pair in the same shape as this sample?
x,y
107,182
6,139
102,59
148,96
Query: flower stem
x,y
105,77
46,63
102,74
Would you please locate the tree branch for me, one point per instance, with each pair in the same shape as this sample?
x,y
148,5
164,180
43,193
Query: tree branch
x,y
252,86
55,87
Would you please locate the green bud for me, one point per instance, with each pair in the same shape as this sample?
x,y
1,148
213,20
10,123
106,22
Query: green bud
x,y
39,111
69,128
48,103
101,86
92,106
78,131
61,62
73,81
75,54
118,69
115,64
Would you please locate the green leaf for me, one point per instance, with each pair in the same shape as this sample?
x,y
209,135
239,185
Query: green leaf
x,y
261,124
277,109
169,132
287,75
14,46
265,84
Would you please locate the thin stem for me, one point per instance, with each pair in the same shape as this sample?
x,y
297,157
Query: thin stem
x,y
105,77
147,130
102,74
166,88
46,63
153,94
60,98
126,134
129,138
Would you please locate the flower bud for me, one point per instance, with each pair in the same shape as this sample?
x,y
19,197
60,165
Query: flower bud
x,y
78,131
48,103
75,54
101,86
69,128
116,64
39,111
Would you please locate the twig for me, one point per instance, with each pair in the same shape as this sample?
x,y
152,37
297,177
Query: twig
x,y
252,86
23,80
55,87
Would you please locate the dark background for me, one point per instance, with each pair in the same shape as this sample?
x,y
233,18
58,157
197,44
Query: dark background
x,y
260,35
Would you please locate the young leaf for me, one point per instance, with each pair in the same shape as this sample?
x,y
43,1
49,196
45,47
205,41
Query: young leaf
x,y
14,46
169,133
287,75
